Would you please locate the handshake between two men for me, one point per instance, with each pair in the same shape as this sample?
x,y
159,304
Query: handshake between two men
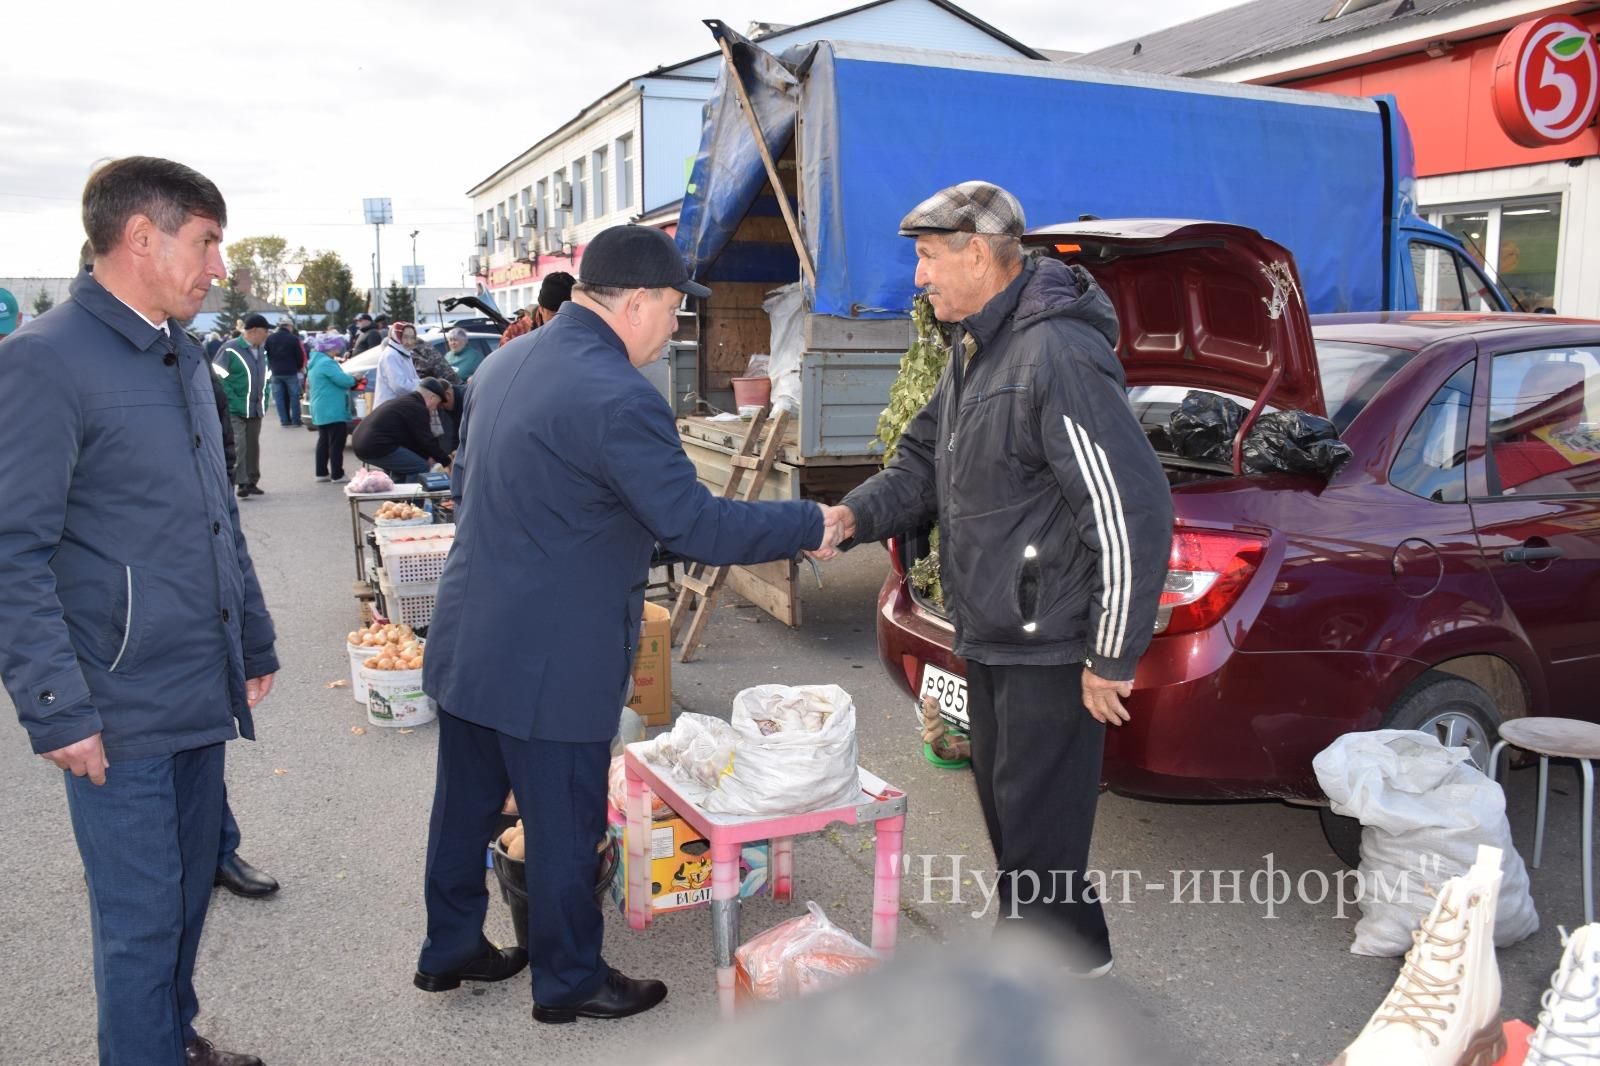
x,y
838,525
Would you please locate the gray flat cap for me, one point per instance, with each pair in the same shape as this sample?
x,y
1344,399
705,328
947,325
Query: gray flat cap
x,y
971,207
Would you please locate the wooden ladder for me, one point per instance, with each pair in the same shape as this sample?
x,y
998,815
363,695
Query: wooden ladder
x,y
701,582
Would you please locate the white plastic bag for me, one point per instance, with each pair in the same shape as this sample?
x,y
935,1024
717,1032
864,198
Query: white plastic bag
x,y
796,751
785,308
789,750
1425,809
698,751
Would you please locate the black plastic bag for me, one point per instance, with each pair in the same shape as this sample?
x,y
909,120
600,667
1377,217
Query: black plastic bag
x,y
1203,427
1293,442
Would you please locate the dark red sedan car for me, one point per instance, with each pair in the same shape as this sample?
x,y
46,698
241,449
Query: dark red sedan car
x,y
1445,578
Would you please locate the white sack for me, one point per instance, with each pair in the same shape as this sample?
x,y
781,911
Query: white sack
x,y
789,750
1425,809
785,308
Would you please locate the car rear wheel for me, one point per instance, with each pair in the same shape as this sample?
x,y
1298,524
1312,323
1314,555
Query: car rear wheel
x,y
1459,713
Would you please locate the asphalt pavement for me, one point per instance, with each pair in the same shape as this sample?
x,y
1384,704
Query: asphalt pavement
x,y
337,811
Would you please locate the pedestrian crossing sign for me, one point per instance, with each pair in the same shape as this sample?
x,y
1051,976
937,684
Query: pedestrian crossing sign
x,y
294,295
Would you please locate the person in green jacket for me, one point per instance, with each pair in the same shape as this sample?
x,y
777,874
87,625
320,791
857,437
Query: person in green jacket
x,y
242,365
331,406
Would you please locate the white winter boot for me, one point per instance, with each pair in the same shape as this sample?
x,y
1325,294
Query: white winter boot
x,y
1444,1008
1569,1025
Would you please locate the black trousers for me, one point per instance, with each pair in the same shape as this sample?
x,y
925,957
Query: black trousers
x,y
561,792
1036,756
330,448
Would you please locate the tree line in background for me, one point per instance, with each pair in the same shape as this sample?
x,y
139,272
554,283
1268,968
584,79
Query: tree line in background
x,y
264,263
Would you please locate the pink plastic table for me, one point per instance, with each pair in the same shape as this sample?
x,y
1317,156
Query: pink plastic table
x,y
879,803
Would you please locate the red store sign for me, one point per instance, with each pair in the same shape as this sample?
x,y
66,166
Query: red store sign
x,y
1546,85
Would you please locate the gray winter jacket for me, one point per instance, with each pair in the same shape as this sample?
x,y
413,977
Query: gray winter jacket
x,y
1055,519
128,603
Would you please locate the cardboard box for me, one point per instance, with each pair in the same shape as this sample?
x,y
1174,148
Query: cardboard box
x,y
652,668
680,866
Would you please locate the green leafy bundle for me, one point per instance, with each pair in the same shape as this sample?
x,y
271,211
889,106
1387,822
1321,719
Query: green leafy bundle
x,y
920,368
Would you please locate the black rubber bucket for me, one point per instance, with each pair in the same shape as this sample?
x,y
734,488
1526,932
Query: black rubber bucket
x,y
514,888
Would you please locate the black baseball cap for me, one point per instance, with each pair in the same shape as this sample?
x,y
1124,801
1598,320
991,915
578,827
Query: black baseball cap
x,y
363,317
637,257
257,322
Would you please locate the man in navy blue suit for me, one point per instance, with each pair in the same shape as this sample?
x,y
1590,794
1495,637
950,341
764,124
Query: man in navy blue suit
x,y
571,474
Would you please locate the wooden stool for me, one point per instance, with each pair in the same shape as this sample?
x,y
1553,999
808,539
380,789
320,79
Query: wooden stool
x,y
1558,738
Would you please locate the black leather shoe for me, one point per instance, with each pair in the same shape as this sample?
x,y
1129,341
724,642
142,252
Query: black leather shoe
x,y
256,490
619,997
243,492
199,1052
242,879
490,964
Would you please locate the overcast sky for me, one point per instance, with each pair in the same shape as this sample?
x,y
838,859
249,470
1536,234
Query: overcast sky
x,y
298,110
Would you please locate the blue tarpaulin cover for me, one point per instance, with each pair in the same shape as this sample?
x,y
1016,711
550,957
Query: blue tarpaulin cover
x,y
881,128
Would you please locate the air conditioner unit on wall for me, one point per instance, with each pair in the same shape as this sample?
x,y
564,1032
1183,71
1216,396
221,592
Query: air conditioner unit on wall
x,y
474,264
528,219
502,228
483,239
519,249
551,244
564,194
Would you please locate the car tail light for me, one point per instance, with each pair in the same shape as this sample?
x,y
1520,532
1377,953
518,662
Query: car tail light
x,y
1207,571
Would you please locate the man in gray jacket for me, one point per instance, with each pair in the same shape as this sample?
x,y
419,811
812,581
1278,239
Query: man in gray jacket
x,y
1055,524
134,640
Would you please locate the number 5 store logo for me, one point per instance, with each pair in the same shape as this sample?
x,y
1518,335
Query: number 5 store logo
x,y
1546,82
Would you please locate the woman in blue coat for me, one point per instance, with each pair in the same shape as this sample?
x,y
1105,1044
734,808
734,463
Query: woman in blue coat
x,y
331,406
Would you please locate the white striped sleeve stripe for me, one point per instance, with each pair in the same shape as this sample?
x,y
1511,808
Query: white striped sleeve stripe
x,y
1116,564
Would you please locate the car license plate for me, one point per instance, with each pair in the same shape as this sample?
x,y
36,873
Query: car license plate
x,y
948,690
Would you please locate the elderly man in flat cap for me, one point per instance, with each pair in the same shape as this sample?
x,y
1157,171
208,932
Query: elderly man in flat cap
x,y
1055,524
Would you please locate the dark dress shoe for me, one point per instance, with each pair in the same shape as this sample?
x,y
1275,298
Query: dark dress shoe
x,y
490,964
257,490
243,492
199,1052
619,997
242,879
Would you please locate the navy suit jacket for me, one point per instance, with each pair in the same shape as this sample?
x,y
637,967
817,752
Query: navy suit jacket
x,y
572,472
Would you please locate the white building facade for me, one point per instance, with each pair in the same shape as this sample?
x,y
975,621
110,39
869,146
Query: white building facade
x,y
628,154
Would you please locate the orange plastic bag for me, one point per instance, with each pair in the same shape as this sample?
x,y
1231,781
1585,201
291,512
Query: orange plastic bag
x,y
617,793
801,956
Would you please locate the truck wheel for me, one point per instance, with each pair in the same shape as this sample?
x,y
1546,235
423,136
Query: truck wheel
x,y
1453,709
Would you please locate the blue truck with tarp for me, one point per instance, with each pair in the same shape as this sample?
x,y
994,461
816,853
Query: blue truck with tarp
x,y
809,160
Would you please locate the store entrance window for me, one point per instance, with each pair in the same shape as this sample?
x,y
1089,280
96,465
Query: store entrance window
x,y
1518,241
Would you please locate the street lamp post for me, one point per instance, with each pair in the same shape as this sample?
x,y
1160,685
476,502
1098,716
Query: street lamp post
x,y
414,309
379,212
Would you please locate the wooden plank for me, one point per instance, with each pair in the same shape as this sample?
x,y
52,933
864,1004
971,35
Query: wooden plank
x,y
725,436
744,461
781,601
830,333
773,176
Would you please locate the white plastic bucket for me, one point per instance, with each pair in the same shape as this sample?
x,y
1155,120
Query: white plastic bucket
x,y
359,654
395,698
